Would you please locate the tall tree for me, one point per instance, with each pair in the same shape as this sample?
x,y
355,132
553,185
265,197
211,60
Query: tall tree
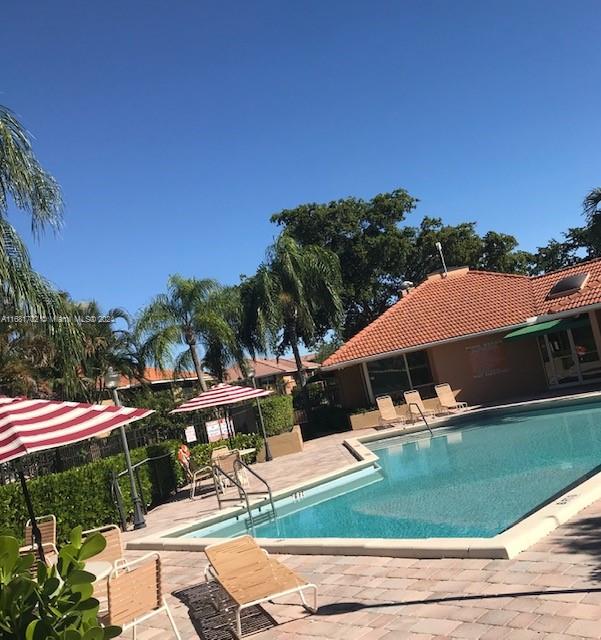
x,y
184,315
26,294
294,297
371,247
377,252
579,243
223,340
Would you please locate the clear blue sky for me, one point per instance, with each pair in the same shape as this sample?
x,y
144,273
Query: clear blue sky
x,y
177,128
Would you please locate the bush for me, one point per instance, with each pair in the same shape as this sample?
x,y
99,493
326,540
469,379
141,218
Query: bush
x,y
278,414
57,604
82,495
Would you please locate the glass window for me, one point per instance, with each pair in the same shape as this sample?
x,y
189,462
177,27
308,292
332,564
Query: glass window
x,y
393,376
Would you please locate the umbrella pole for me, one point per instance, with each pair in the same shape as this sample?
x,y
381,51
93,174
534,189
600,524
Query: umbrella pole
x,y
37,534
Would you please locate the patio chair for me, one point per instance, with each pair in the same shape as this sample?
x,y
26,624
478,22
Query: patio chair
x,y
109,558
196,476
219,452
388,412
47,527
227,464
446,397
416,406
249,576
50,555
135,594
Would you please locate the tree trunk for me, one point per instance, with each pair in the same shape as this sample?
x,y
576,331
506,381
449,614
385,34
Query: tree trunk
x,y
300,367
198,366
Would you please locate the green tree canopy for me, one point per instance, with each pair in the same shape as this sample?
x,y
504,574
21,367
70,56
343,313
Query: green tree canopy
x,y
377,252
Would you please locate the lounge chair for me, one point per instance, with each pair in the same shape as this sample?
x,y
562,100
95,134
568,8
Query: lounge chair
x,y
417,410
135,594
219,452
388,412
446,397
249,576
110,557
46,525
196,476
227,465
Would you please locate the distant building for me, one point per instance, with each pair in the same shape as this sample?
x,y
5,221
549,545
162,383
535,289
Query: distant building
x,y
274,373
159,380
491,336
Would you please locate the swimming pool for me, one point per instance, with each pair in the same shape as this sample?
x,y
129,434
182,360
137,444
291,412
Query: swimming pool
x,y
474,479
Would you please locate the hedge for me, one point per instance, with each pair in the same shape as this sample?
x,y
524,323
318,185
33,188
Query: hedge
x,y
82,495
278,414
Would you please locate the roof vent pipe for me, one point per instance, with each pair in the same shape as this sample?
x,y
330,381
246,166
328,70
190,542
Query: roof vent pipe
x,y
444,264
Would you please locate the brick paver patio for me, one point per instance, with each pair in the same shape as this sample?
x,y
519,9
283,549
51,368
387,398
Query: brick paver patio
x,y
553,590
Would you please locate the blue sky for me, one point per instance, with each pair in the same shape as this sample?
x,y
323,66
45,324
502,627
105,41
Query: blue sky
x,y
177,128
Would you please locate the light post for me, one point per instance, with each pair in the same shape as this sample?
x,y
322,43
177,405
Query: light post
x,y
268,455
111,380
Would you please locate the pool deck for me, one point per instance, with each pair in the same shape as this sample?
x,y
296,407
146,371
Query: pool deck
x,y
552,590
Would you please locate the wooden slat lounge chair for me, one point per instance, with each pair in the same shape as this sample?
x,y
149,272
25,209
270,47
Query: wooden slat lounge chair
x,y
446,397
388,412
47,527
196,476
249,576
135,594
50,555
219,452
227,464
415,403
109,558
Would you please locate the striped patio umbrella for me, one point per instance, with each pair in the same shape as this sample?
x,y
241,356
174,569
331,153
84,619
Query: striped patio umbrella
x,y
27,426
221,395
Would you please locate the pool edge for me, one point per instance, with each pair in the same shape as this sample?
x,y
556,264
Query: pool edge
x,y
505,545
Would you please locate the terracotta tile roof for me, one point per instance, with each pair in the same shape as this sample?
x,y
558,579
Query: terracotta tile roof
x,y
264,367
156,376
466,302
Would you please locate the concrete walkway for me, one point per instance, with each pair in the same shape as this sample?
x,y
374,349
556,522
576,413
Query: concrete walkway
x,y
553,590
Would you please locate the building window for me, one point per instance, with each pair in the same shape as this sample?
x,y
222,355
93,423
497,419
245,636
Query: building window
x,y
393,376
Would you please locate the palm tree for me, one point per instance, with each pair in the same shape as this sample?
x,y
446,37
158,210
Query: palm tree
x,y
223,340
30,188
294,297
592,231
184,315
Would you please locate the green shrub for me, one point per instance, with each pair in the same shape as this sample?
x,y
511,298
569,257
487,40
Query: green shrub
x,y
59,603
82,495
278,414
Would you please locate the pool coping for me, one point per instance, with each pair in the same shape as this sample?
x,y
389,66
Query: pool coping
x,y
504,545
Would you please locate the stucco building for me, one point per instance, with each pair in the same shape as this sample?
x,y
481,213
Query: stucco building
x,y
491,336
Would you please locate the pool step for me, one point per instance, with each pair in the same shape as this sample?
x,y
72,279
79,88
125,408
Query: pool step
x,y
260,518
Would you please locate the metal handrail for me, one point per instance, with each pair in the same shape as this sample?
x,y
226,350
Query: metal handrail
x,y
117,493
241,491
243,464
414,404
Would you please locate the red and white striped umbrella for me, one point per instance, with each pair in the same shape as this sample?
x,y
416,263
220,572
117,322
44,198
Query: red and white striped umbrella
x,y
35,425
221,395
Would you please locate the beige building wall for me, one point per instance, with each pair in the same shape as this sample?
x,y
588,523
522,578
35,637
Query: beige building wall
x,y
487,369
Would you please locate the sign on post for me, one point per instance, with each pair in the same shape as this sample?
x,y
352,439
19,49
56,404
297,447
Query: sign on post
x,y
218,429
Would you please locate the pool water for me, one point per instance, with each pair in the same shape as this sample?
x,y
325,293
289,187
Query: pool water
x,y
472,480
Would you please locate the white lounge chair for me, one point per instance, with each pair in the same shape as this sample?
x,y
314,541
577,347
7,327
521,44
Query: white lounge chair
x,y
446,397
388,413
417,410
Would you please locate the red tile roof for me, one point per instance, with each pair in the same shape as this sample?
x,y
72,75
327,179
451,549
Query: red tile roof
x,y
466,302
264,367
156,376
